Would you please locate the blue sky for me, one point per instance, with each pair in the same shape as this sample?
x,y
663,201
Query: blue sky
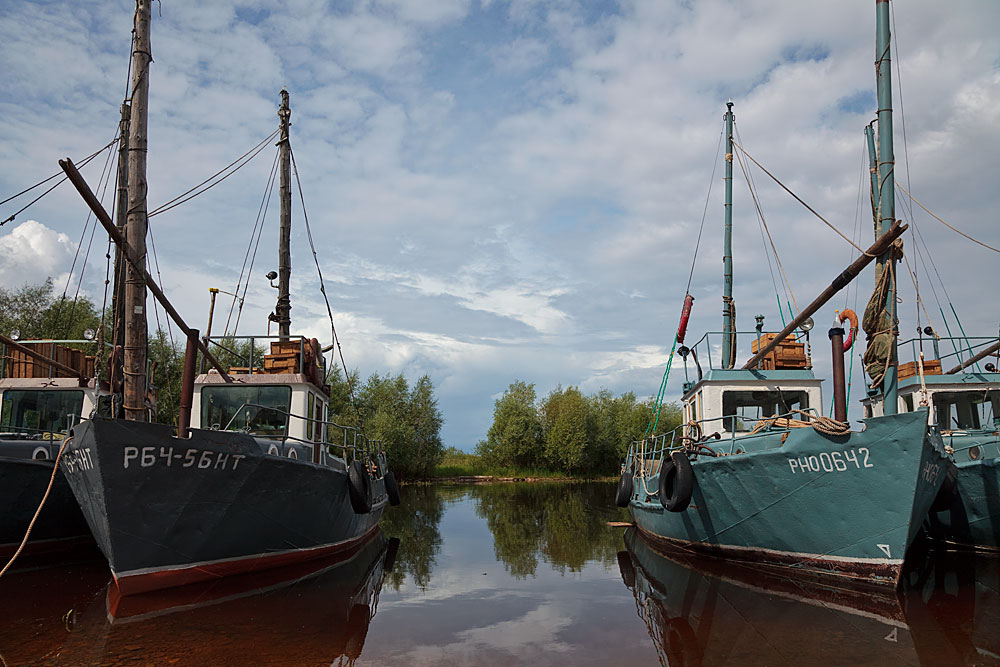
x,y
510,190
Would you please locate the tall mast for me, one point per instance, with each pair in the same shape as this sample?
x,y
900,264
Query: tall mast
x,y
873,168
728,326
886,191
135,285
283,308
121,211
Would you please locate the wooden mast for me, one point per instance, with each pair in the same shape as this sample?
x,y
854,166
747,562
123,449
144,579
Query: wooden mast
x,y
135,284
121,212
282,309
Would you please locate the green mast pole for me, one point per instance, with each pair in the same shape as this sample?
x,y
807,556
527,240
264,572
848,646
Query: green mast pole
x,y
728,326
873,167
887,186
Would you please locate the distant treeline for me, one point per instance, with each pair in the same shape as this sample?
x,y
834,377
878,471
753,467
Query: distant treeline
x,y
567,430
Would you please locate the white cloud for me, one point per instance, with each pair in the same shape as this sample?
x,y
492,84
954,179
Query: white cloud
x,y
32,252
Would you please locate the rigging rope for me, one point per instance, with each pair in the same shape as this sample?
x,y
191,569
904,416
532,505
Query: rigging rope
x,y
322,288
954,229
704,212
182,198
763,221
259,222
83,163
799,199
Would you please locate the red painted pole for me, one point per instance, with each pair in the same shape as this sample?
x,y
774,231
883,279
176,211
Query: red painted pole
x,y
187,384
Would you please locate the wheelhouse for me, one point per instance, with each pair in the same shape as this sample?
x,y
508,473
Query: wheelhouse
x,y
280,398
967,400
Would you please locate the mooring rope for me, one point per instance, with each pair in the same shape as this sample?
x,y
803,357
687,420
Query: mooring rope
x,y
27,533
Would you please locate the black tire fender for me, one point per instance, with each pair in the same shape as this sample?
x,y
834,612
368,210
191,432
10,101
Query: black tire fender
x,y
359,487
676,483
391,488
624,493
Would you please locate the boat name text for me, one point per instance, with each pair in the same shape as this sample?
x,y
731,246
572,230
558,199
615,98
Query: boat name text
x,y
831,461
147,457
79,459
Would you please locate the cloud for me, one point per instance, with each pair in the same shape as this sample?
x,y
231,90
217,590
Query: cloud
x,y
31,252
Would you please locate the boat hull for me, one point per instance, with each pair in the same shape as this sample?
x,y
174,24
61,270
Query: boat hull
x,y
817,505
168,512
973,520
59,526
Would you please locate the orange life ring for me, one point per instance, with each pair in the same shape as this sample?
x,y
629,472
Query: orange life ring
x,y
848,314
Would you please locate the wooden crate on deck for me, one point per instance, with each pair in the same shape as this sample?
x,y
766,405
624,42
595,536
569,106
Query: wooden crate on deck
x,y
909,369
20,365
787,354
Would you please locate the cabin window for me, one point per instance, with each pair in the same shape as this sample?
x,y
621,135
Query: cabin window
x,y
908,403
309,416
966,409
257,410
320,418
868,411
743,409
39,410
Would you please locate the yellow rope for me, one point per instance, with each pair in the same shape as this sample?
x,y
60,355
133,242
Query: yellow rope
x,y
957,231
55,469
819,423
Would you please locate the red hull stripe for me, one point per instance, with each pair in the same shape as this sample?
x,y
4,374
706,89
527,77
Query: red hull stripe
x,y
170,577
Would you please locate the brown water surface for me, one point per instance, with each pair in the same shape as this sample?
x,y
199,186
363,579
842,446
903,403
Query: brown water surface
x,y
506,574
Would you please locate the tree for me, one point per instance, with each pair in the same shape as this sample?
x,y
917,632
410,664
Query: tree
x,y
569,428
407,422
35,313
515,438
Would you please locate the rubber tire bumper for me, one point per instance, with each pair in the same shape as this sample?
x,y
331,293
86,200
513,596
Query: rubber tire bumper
x,y
359,487
676,483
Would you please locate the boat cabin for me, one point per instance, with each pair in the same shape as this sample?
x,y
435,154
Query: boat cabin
x,y
41,402
965,401
958,402
731,402
284,398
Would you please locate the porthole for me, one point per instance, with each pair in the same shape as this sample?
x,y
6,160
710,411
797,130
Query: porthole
x,y
40,454
292,454
273,450
975,452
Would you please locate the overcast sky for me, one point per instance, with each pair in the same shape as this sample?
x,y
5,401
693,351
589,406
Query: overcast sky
x,y
513,190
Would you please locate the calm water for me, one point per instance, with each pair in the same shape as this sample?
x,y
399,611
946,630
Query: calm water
x,y
506,574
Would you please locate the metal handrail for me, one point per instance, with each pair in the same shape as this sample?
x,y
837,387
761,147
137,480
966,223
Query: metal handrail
x,y
655,447
705,343
368,447
962,345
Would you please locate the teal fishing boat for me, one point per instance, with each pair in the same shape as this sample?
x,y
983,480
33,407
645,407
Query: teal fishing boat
x,y
756,473
962,397
963,405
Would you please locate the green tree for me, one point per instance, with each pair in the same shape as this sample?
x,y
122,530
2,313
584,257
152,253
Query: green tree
x,y
570,430
407,422
36,313
515,437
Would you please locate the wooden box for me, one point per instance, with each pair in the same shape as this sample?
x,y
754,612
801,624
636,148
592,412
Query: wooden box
x,y
787,354
909,369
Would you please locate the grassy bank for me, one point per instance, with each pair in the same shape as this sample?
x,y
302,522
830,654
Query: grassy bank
x,y
458,464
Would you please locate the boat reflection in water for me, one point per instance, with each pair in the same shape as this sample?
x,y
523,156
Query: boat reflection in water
x,y
317,612
703,611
